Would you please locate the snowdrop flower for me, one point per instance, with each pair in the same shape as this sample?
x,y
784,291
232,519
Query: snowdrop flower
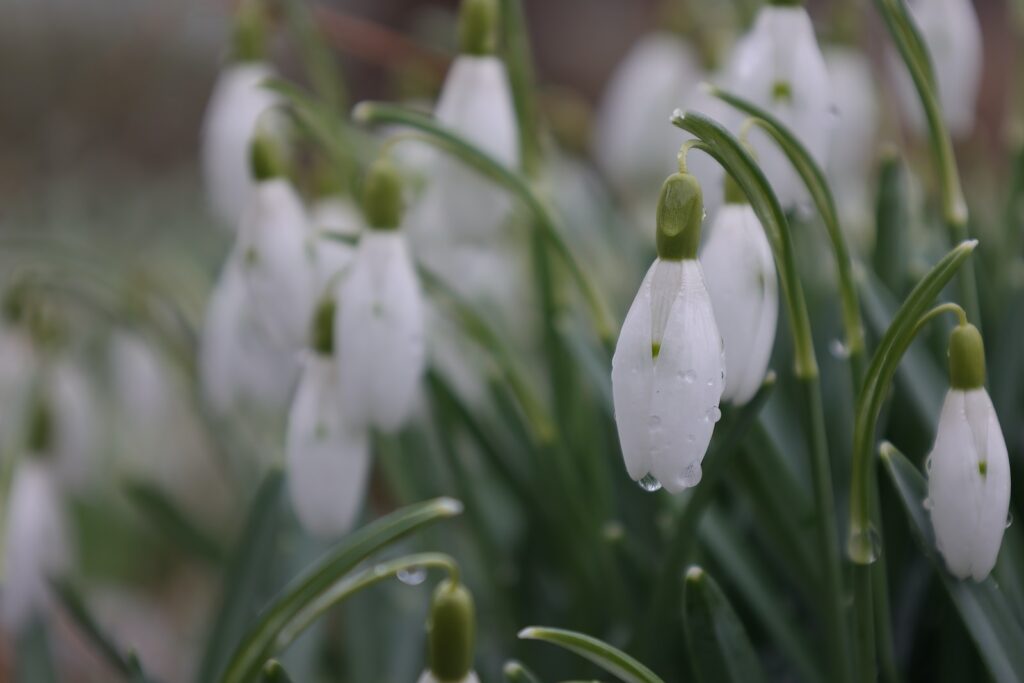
x,y
779,67
237,106
741,281
327,460
476,103
633,142
37,543
667,371
450,635
379,327
278,251
952,34
968,471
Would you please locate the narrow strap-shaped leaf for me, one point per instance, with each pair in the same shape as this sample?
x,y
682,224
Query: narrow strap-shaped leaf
x,y
612,660
254,651
172,523
719,648
984,610
891,219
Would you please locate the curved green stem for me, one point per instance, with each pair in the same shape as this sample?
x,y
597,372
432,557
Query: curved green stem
x,y
471,155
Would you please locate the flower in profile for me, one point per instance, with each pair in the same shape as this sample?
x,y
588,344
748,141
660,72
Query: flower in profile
x,y
778,66
952,34
668,370
237,106
741,281
379,327
327,460
969,469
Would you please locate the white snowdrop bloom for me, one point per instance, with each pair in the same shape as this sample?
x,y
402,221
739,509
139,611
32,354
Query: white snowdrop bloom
x,y
740,272
327,460
37,543
779,67
952,34
240,365
668,370
279,260
235,110
633,140
337,216
852,150
72,403
379,326
968,468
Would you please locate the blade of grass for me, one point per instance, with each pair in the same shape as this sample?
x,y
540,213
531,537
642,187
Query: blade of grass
x,y
612,660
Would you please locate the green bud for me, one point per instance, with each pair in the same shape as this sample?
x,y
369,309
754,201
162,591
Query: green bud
x,y
322,334
680,212
265,158
249,40
966,358
382,196
478,27
450,632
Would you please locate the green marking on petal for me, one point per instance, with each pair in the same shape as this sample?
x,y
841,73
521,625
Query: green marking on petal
x,y
983,468
655,349
782,91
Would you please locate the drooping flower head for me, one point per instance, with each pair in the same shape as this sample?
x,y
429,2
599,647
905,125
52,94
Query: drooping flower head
x,y
668,371
968,468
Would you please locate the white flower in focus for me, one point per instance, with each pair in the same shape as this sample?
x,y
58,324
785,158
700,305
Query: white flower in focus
x,y
779,67
952,34
327,460
740,272
379,333
232,116
279,260
37,543
633,140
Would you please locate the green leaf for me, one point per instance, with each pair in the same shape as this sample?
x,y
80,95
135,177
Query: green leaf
x,y
258,645
166,518
718,644
316,56
891,219
610,659
982,606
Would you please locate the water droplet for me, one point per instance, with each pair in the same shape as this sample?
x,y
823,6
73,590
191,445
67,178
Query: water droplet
x,y
690,438
711,382
413,576
928,464
691,476
865,546
655,421
838,349
713,414
927,504
1009,519
689,376
649,483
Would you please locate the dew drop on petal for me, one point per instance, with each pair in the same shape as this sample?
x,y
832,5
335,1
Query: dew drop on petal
x,y
1009,519
928,464
838,349
649,483
927,504
413,576
689,376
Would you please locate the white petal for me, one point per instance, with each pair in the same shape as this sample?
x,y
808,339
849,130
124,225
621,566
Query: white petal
x,y
968,508
37,546
781,49
687,386
339,216
741,280
632,382
278,257
379,333
328,462
236,105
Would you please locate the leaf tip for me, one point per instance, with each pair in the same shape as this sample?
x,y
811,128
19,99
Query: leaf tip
x,y
694,574
529,633
450,506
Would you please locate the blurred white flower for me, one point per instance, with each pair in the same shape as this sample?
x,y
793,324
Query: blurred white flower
x,y
779,67
379,333
328,461
952,34
740,271
232,115
37,543
278,255
668,374
969,483
633,140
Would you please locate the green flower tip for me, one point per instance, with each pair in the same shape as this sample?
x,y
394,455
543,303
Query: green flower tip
x,y
966,358
382,196
451,631
249,40
322,334
782,91
680,212
478,27
266,160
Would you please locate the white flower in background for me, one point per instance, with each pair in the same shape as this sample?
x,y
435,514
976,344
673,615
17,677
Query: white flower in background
x,y
379,326
779,67
741,281
633,140
969,470
328,461
668,369
852,151
952,34
75,418
37,543
240,365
